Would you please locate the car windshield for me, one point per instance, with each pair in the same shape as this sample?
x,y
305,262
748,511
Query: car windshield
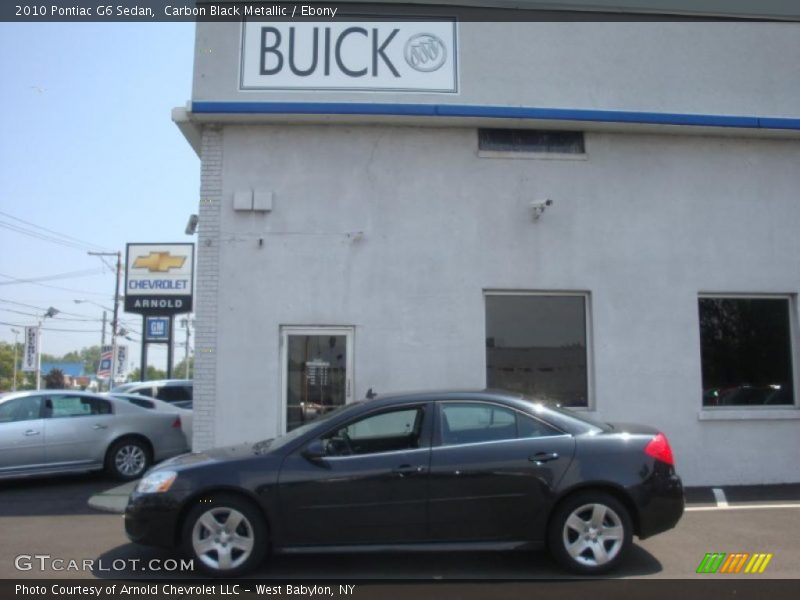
x,y
303,429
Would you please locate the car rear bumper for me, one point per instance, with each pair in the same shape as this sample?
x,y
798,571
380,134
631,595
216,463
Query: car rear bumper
x,y
152,519
660,502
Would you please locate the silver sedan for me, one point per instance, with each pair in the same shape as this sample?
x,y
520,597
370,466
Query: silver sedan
x,y
60,431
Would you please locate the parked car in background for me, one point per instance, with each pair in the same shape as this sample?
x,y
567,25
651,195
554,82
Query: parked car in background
x,y
453,470
61,431
168,390
175,408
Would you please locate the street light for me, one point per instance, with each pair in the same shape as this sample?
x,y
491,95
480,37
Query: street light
x,y
51,312
103,329
14,384
82,301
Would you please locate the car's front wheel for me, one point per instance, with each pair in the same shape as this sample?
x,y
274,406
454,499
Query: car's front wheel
x,y
226,537
590,532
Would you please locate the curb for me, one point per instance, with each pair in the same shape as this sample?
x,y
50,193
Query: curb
x,y
113,500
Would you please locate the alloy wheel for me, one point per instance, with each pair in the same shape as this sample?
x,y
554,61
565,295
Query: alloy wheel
x,y
223,538
130,460
593,534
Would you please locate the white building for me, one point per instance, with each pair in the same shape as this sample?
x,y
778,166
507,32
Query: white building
x,y
389,229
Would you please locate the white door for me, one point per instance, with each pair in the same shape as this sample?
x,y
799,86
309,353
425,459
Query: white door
x,y
316,372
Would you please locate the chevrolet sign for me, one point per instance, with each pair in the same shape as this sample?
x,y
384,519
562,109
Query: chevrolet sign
x,y
159,278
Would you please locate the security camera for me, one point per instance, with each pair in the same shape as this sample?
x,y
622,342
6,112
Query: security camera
x,y
191,226
538,207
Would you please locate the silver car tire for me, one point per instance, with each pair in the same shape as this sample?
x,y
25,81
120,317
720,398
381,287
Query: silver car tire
x,y
590,532
128,459
225,535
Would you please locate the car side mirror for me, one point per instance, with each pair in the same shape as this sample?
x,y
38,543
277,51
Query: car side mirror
x,y
315,453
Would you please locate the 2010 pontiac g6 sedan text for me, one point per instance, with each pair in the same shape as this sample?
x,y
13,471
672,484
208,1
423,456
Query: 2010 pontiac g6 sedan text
x,y
453,470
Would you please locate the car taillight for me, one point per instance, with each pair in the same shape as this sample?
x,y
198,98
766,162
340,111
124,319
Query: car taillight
x,y
176,424
659,449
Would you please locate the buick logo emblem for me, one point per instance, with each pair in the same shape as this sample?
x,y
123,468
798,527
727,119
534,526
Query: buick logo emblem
x,y
425,52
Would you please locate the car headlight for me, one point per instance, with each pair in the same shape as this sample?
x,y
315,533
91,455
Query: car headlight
x,y
160,481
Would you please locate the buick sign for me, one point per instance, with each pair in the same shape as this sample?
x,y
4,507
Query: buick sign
x,y
351,56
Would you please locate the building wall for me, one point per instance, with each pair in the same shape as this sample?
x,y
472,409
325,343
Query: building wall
x,y
719,68
398,231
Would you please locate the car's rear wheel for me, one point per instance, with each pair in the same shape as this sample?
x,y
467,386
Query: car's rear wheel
x,y
590,533
128,459
226,537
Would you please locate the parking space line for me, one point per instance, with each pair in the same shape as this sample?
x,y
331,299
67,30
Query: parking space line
x,y
740,507
719,496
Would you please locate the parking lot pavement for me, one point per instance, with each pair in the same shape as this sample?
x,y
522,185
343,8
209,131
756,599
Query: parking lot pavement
x,y
62,495
51,517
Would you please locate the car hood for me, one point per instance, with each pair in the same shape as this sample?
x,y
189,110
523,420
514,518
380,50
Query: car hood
x,y
225,453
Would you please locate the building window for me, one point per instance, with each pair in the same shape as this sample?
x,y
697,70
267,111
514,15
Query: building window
x,y
531,141
746,351
536,344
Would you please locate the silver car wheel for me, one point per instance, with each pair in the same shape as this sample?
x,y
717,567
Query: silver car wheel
x,y
593,534
223,538
130,460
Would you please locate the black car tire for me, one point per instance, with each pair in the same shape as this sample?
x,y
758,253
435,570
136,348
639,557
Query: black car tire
x,y
227,538
590,532
128,459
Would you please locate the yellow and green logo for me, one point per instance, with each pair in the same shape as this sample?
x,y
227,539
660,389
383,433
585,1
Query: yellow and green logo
x,y
735,562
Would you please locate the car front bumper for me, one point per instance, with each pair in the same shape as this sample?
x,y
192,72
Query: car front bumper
x,y
153,519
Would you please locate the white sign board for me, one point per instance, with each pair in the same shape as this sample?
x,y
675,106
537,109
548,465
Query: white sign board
x,y
158,278
121,363
413,56
30,352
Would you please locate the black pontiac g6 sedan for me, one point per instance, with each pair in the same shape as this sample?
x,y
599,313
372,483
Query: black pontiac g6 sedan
x,y
453,470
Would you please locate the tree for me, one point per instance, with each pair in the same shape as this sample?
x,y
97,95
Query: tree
x,y
54,380
152,373
179,370
7,367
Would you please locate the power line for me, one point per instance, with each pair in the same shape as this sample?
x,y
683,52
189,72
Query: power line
x,y
63,289
63,312
59,317
71,274
65,237
94,331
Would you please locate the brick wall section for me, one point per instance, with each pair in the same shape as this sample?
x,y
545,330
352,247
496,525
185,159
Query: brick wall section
x,y
207,292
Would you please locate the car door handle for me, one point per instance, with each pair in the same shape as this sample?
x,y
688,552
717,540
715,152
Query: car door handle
x,y
98,426
31,432
404,470
543,457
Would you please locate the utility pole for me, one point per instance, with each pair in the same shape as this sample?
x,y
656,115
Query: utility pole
x,y
186,323
51,312
14,384
103,332
115,318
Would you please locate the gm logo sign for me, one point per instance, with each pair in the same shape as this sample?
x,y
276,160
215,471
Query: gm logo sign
x,y
157,329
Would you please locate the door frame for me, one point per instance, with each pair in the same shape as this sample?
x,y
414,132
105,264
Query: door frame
x,y
348,331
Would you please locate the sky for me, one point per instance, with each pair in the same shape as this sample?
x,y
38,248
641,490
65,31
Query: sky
x,y
88,151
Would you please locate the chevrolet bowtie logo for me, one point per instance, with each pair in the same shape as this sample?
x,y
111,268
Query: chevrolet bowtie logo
x,y
159,262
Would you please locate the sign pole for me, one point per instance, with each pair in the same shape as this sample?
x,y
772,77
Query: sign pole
x,y
143,363
169,349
